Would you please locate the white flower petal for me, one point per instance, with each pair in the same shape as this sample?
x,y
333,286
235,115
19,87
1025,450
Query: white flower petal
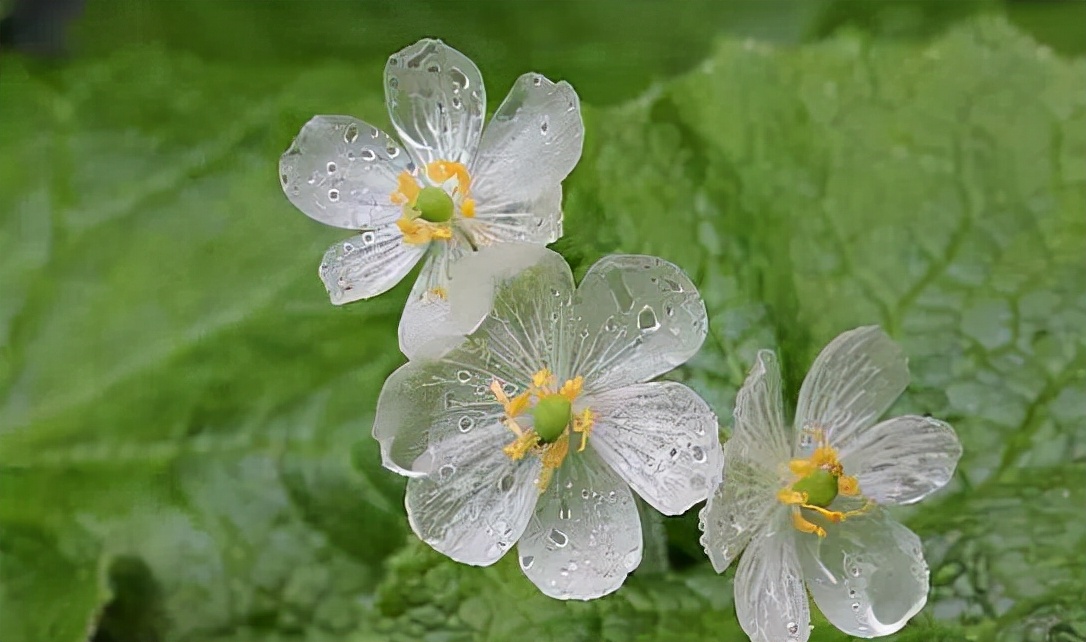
x,y
759,420
342,172
739,507
904,459
436,101
531,145
662,439
770,601
868,575
367,264
637,317
850,385
585,535
427,327
476,502
527,290
534,221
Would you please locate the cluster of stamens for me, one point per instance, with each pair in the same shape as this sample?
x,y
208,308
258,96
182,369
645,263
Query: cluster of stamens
x,y
428,211
553,420
819,479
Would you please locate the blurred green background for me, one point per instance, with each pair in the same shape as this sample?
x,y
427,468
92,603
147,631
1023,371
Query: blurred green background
x,y
184,418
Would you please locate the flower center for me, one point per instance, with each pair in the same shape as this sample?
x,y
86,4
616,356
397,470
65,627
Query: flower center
x,y
552,421
428,210
818,480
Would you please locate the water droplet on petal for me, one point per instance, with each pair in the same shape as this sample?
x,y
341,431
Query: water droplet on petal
x,y
333,195
445,472
526,562
368,237
646,320
505,484
466,424
698,454
331,168
368,155
463,376
558,538
350,134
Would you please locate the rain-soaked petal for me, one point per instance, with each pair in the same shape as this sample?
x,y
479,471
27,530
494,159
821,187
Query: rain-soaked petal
x,y
850,385
770,600
534,221
904,459
426,327
738,508
759,421
531,145
475,503
635,317
342,172
661,438
367,264
585,535
527,290
867,576
436,101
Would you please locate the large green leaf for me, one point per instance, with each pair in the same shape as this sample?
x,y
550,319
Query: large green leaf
x,y
184,449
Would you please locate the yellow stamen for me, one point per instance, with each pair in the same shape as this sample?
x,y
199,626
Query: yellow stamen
x,y
582,423
439,292
441,171
848,486
467,208
572,388
553,456
407,189
804,526
521,446
543,379
415,231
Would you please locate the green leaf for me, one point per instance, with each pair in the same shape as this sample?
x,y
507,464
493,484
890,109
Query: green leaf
x,y
184,419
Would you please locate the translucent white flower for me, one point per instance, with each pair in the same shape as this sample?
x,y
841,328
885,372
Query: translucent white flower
x,y
541,425
806,503
450,188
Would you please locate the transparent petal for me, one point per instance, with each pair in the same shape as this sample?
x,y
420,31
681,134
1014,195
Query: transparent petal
x,y
535,221
739,507
427,329
530,145
904,459
636,317
421,403
342,172
425,405
528,291
585,535
850,385
367,264
663,439
867,576
759,420
770,601
436,101
476,502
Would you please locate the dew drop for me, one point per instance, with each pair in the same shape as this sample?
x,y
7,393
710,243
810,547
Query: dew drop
x,y
610,325
564,512
856,606
348,248
852,593
392,151
466,424
509,389
368,237
331,168
505,484
463,376
537,80
793,628
456,102
434,68
698,453
646,320
584,493
526,561
350,134
393,83
446,471
333,195
558,538
368,155
543,128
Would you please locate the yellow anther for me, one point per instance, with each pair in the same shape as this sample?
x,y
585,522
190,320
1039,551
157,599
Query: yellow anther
x,y
848,486
439,292
407,189
553,456
582,423
441,171
467,208
518,404
804,526
415,231
789,496
543,379
441,232
572,388
521,446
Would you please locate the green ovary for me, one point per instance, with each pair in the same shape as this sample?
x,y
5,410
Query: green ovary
x,y
434,205
552,415
820,487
